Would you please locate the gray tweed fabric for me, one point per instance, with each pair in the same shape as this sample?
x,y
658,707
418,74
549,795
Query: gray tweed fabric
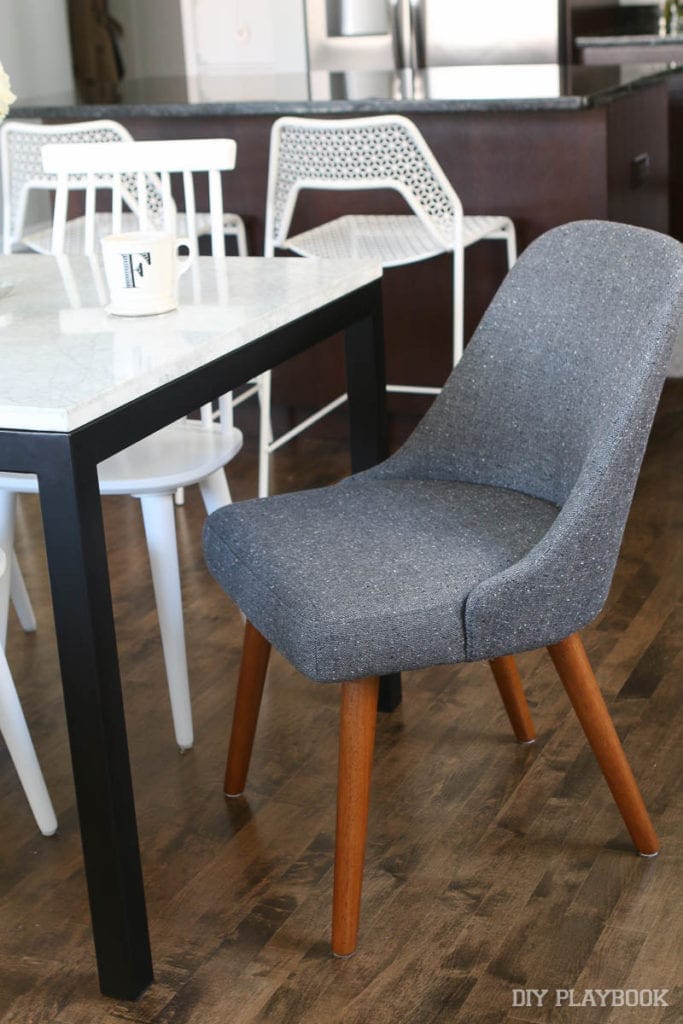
x,y
496,527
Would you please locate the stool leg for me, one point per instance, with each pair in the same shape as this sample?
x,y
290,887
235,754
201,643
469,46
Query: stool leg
x,y
511,245
255,655
356,743
574,669
510,688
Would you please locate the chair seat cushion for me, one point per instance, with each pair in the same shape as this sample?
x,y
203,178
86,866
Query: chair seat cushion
x,y
370,576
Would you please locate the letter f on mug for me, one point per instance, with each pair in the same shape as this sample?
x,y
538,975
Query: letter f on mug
x,y
130,269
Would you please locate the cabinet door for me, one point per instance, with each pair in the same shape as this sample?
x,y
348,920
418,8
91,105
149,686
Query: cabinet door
x,y
223,34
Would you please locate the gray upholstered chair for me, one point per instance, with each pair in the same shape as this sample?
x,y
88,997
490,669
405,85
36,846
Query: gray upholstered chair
x,y
494,529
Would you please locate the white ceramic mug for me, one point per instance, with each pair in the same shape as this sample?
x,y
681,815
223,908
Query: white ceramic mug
x,y
142,270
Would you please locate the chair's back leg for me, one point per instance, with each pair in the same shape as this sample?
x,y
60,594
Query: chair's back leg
x,y
215,491
265,434
510,688
20,597
574,669
162,546
255,655
356,743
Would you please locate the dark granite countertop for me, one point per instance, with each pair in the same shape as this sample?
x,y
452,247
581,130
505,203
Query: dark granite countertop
x,y
629,40
508,87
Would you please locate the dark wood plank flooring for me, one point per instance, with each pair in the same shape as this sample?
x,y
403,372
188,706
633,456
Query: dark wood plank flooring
x,y
490,866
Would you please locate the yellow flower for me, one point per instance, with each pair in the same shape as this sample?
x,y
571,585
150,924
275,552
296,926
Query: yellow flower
x,y
6,95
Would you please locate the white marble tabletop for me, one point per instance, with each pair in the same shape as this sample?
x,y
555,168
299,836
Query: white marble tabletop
x,y
64,361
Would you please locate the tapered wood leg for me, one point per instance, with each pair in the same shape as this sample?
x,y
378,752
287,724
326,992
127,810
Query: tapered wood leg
x,y
255,654
509,684
356,743
574,669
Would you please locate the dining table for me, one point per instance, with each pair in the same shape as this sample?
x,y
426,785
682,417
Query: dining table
x,y
77,385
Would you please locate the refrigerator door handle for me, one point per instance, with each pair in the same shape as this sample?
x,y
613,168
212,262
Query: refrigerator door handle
x,y
400,26
365,52
417,35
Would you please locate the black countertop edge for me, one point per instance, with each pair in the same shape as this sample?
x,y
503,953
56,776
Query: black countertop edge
x,y
274,108
51,110
583,42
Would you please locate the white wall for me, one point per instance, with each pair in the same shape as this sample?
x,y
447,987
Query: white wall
x,y
34,46
35,51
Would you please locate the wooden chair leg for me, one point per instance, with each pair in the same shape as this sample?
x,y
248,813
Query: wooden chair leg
x,y
509,684
356,743
255,654
574,669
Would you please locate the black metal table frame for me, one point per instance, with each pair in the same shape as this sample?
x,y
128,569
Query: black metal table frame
x,y
66,465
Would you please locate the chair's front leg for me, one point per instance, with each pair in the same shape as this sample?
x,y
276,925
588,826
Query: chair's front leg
x,y
255,655
356,743
510,688
574,669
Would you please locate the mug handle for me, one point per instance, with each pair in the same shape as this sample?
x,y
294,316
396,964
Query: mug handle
x,y
182,264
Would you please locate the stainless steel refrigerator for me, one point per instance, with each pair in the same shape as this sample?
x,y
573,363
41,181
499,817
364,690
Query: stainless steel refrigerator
x,y
374,35
413,46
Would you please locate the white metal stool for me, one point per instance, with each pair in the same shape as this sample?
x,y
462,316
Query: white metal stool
x,y
386,152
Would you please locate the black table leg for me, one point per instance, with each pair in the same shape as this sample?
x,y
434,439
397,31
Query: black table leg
x,y
366,385
74,535
390,692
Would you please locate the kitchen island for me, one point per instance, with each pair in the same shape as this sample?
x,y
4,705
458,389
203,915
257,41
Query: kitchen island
x,y
545,145
635,49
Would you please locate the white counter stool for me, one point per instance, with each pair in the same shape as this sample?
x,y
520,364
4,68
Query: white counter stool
x,y
23,173
358,154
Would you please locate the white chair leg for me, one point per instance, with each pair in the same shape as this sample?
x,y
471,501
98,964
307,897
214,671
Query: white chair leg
x,y
7,509
511,243
458,304
20,599
179,496
264,434
16,735
157,513
241,237
215,491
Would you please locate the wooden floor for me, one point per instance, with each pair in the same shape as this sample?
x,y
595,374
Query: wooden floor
x,y
490,866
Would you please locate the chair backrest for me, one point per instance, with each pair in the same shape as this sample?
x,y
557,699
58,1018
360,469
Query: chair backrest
x,y
138,175
22,169
555,397
386,152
